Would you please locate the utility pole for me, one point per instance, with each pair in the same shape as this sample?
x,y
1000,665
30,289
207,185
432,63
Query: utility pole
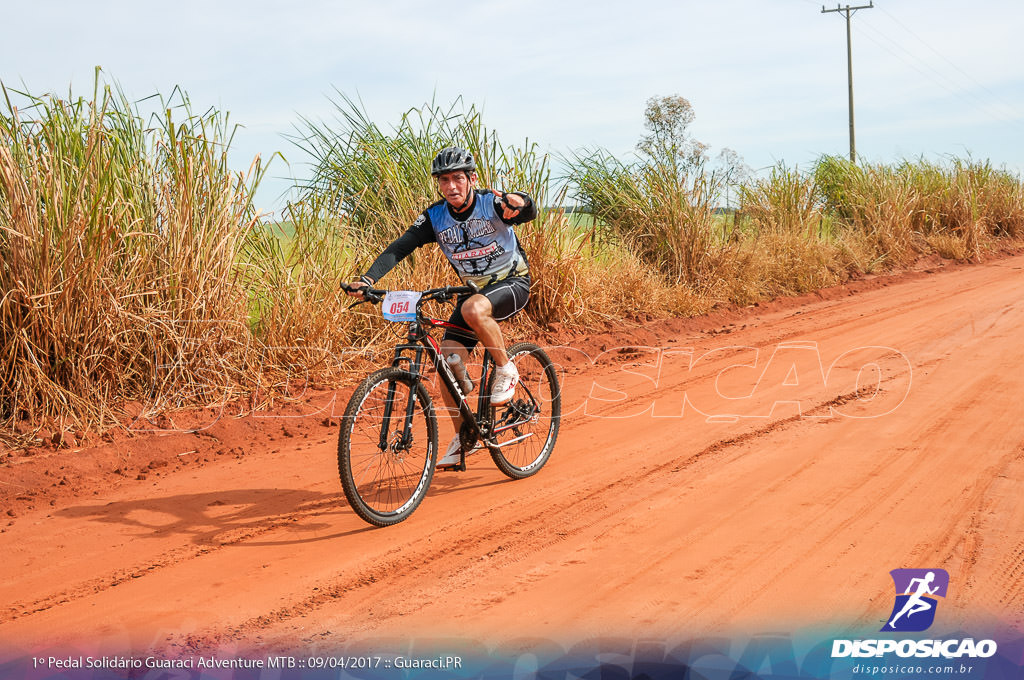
x,y
849,64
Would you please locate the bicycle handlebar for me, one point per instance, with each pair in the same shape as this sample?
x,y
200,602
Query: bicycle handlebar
x,y
448,292
443,294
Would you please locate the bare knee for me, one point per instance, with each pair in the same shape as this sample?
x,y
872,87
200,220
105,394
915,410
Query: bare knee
x,y
476,310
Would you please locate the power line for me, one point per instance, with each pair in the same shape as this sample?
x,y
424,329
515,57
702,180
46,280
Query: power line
x,y
937,77
944,58
849,11
994,106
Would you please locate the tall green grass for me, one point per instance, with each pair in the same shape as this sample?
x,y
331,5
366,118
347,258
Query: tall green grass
x,y
795,231
368,184
789,244
661,210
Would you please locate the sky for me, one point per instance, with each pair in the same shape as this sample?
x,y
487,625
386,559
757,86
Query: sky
x,y
766,78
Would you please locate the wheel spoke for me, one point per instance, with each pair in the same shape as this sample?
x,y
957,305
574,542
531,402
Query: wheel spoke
x,y
528,425
385,486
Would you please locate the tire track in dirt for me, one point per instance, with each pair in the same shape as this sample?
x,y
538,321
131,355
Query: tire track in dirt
x,y
782,558
995,571
596,507
839,324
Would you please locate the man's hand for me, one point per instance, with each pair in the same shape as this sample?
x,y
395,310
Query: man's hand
x,y
511,204
354,289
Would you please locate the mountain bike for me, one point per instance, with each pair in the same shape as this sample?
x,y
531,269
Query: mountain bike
x,y
387,447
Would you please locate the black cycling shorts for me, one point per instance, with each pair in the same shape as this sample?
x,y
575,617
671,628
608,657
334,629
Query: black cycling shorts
x,y
508,297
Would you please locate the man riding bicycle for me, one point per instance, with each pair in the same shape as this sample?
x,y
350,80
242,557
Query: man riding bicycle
x,y
473,228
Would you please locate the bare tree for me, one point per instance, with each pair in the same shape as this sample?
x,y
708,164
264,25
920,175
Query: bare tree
x,y
667,120
734,170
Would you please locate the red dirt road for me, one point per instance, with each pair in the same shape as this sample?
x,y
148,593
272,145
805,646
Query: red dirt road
x,y
756,471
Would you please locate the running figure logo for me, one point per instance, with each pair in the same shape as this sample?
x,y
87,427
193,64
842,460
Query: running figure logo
x,y
916,603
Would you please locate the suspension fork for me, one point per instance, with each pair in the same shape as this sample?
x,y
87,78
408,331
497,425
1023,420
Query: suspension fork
x,y
385,425
414,368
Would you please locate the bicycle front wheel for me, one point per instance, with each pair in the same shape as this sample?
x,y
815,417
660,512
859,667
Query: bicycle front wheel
x,y
387,447
525,428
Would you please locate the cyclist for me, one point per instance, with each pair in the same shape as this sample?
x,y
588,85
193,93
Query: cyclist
x,y
474,229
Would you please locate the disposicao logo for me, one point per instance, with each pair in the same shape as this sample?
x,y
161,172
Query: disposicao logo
x,y
917,593
916,601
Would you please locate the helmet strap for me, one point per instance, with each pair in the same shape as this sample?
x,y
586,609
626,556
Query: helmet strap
x,y
470,193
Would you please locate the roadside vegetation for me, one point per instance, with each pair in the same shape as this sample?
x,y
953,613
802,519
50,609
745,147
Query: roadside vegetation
x,y
122,278
137,277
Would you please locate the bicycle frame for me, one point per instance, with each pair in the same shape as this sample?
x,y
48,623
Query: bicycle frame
x,y
384,486
410,357
419,342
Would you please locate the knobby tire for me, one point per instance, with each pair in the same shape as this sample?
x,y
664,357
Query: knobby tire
x,y
538,384
385,487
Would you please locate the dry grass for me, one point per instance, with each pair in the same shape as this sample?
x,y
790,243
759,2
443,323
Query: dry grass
x,y
136,276
913,208
119,244
660,210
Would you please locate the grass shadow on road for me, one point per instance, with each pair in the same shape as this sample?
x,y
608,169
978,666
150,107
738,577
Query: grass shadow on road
x,y
228,517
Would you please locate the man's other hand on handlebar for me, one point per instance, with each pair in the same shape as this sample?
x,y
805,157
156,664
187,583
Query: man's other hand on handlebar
x,y
355,289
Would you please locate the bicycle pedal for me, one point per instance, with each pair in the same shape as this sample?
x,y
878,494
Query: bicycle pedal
x,y
452,467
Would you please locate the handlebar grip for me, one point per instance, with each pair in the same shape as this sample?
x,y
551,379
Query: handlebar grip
x,y
370,294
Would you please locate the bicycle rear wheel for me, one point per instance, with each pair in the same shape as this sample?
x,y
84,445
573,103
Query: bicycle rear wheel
x,y
385,458
525,428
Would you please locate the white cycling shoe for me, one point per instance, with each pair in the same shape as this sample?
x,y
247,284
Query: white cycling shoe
x,y
454,453
505,380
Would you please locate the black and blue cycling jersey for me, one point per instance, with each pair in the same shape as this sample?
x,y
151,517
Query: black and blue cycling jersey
x,y
479,243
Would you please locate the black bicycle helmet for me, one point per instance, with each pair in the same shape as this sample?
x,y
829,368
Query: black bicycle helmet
x,y
452,158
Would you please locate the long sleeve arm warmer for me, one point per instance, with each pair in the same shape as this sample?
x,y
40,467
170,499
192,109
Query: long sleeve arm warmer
x,y
419,234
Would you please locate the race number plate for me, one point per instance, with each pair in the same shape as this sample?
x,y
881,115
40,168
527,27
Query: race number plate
x,y
400,305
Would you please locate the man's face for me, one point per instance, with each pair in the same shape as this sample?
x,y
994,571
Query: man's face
x,y
455,186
